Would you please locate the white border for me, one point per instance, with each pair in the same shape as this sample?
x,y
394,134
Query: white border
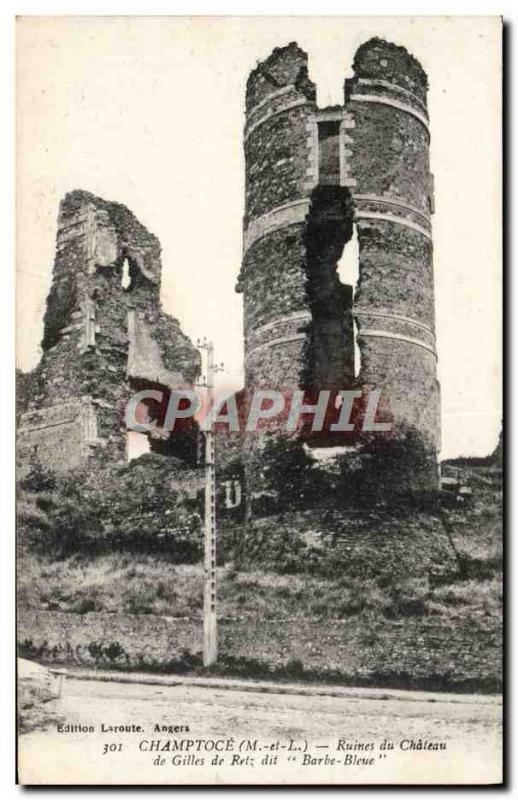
x,y
158,7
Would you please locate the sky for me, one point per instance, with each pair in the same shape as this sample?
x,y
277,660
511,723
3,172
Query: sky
x,y
149,112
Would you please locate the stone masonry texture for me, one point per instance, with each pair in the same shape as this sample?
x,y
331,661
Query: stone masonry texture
x,y
313,176
105,336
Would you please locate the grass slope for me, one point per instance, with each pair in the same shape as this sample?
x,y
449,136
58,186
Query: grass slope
x,y
142,611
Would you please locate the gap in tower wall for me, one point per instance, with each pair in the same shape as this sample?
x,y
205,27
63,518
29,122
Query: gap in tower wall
x,y
348,269
328,228
137,445
328,70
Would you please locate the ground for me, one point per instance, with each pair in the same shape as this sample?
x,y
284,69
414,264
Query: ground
x,y
135,611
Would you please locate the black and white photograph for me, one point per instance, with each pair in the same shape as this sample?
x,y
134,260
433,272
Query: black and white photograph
x,y
259,424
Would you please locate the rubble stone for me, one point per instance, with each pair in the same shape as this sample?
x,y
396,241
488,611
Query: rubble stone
x,y
105,335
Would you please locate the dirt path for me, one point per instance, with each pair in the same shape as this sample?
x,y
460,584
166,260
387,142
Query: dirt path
x,y
291,733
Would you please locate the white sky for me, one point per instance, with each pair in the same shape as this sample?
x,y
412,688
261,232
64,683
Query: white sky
x,y
149,112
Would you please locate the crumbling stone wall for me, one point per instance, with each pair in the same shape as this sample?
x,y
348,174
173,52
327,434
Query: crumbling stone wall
x,y
330,349
311,174
105,335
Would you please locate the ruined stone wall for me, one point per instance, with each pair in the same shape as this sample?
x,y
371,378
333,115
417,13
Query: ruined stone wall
x,y
105,335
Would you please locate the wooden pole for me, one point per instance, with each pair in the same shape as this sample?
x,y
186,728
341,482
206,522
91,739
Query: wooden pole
x,y
210,631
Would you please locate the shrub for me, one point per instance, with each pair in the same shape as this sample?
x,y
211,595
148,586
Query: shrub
x,y
130,507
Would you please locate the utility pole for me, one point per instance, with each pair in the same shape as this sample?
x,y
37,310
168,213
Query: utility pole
x,y
210,630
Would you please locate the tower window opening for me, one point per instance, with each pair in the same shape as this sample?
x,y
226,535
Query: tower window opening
x,y
329,152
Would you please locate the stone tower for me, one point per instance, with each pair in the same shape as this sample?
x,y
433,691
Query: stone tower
x,y
312,176
105,337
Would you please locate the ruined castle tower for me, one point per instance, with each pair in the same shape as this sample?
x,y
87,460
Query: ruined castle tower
x,y
105,337
312,175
